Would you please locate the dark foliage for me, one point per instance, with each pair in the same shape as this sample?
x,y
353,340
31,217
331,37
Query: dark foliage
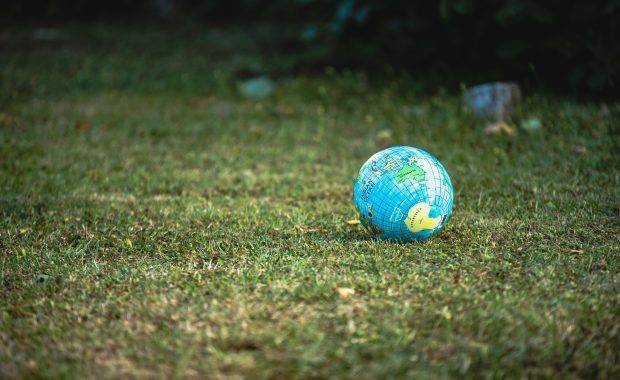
x,y
559,43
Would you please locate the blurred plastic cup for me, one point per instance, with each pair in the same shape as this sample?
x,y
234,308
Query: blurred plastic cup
x,y
493,101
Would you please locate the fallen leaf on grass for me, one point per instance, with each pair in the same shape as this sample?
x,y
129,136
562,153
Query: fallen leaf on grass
x,y
499,128
353,222
6,120
581,150
576,251
456,278
255,130
345,292
445,312
307,230
82,125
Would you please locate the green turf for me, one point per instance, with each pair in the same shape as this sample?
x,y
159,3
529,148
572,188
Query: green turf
x,y
189,232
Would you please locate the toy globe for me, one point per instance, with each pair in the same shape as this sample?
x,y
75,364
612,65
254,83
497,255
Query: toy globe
x,y
403,193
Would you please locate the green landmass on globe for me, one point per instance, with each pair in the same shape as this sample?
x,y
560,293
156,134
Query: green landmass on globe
x,y
359,175
410,171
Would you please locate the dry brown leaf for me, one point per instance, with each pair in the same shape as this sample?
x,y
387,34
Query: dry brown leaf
x,y
306,230
456,278
499,128
581,150
345,292
6,120
82,125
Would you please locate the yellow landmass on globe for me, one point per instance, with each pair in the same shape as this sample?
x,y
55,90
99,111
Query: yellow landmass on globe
x,y
418,219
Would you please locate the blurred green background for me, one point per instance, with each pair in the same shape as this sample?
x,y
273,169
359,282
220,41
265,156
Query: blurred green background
x,y
569,47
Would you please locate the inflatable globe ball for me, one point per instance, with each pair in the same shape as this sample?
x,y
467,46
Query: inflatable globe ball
x,y
403,193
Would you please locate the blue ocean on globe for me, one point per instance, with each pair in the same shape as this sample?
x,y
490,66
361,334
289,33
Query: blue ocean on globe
x,y
403,193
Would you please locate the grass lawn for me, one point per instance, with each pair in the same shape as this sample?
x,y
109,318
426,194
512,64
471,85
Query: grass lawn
x,y
156,223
